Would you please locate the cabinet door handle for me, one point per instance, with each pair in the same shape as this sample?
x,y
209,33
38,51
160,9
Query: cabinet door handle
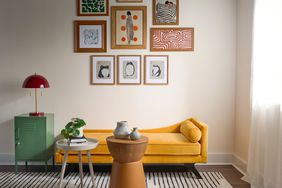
x,y
17,133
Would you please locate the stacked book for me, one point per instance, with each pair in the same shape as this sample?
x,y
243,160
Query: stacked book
x,y
77,141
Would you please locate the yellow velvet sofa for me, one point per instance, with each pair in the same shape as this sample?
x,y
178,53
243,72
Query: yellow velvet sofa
x,y
183,143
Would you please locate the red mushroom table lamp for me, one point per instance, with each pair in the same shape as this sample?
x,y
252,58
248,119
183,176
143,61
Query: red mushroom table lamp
x,y
36,81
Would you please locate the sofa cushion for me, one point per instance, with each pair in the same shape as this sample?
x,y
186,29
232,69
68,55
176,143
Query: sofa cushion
x,y
190,131
159,144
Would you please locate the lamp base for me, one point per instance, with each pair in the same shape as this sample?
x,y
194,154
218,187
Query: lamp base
x,y
36,114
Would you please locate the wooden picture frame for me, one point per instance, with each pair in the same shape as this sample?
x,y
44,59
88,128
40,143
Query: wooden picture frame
x,y
129,27
129,1
156,69
165,12
129,69
102,70
172,39
92,8
90,36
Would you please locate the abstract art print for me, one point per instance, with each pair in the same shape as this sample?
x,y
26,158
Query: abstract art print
x,y
156,70
129,1
165,12
129,69
172,39
92,7
103,70
129,27
90,36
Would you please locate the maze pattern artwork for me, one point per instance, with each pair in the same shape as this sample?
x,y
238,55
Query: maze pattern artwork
x,y
93,6
172,39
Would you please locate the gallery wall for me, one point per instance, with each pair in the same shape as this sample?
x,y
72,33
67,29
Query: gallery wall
x,y
37,36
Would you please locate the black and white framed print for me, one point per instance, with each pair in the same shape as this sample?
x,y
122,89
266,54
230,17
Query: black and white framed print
x,y
165,12
129,69
103,70
156,70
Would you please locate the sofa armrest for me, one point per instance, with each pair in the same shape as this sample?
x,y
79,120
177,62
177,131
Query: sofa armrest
x,y
204,139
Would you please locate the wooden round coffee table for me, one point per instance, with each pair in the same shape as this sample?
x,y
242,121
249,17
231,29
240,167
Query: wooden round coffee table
x,y
127,169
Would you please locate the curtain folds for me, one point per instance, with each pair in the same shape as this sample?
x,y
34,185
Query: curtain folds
x,y
264,168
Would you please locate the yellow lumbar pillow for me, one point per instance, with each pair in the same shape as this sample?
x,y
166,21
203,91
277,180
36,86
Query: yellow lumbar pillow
x,y
190,131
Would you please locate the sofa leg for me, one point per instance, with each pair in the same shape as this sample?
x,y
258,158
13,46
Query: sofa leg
x,y
191,167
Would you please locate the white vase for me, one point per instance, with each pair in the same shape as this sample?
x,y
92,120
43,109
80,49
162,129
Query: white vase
x,y
80,132
122,131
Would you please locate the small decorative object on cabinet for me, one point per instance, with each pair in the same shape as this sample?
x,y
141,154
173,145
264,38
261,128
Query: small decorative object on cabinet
x,y
122,131
34,138
36,81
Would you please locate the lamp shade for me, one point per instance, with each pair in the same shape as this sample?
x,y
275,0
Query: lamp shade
x,y
35,81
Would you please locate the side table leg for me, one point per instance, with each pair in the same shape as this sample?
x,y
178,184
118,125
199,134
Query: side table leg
x,y
63,169
91,168
80,169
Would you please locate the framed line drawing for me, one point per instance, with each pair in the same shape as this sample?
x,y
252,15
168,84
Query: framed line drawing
x,y
165,12
172,39
129,69
129,27
156,70
90,36
102,70
92,7
129,1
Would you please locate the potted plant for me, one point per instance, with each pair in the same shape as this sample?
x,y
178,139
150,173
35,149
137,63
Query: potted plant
x,y
74,128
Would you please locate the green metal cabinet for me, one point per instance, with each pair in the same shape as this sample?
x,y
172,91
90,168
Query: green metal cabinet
x,y
34,138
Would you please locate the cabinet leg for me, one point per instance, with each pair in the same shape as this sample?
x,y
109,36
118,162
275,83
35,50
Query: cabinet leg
x,y
16,166
53,162
80,169
45,166
91,168
63,169
26,165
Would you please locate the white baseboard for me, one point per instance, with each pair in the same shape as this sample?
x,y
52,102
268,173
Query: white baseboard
x,y
239,164
220,158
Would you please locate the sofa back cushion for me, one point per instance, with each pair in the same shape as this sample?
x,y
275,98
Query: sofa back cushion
x,y
190,131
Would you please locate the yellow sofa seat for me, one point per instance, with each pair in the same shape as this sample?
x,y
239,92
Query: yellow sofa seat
x,y
166,145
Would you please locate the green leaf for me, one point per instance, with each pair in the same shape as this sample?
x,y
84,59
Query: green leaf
x,y
76,133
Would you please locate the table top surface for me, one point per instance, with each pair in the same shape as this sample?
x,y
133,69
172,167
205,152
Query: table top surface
x,y
91,144
142,140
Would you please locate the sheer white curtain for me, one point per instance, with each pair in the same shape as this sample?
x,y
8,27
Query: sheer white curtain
x,y
264,168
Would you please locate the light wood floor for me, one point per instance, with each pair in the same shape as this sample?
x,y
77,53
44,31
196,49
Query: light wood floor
x,y
232,175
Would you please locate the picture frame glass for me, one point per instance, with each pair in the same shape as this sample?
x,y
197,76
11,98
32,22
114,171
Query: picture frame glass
x,y
90,36
103,69
129,27
156,69
165,12
129,68
93,7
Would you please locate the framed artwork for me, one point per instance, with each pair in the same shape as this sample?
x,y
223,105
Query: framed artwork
x,y
129,1
156,70
103,70
129,27
92,7
129,69
90,36
172,39
165,12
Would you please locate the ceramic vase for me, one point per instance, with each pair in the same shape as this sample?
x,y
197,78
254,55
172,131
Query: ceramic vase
x,y
80,132
135,135
122,131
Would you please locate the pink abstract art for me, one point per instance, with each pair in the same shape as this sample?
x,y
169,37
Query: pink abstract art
x,y
172,39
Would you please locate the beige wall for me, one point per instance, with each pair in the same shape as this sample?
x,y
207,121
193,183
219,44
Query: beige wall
x,y
243,76
37,36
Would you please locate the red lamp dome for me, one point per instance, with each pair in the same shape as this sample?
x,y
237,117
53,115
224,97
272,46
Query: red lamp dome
x,y
35,81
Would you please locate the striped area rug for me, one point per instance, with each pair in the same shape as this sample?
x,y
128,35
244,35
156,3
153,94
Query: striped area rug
x,y
153,180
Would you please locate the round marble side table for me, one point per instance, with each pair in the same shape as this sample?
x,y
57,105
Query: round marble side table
x,y
91,144
127,169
